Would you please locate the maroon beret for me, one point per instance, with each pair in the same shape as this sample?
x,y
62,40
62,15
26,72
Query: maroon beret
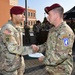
x,y
49,8
17,10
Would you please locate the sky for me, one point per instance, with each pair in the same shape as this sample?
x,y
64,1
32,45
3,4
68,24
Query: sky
x,y
39,6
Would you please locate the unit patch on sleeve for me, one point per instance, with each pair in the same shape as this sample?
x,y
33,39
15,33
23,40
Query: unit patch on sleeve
x,y
66,41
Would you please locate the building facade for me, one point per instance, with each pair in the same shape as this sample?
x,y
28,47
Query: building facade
x,y
5,6
31,16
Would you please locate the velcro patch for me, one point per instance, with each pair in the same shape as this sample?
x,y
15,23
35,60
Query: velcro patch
x,y
66,41
8,32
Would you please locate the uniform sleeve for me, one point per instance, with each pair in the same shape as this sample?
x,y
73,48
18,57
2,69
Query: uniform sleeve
x,y
42,47
12,44
63,50
20,50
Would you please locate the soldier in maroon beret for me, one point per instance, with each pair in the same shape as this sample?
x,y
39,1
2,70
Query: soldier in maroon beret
x,y
58,47
18,10
13,49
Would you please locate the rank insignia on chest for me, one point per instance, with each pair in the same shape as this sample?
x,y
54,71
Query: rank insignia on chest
x,y
66,41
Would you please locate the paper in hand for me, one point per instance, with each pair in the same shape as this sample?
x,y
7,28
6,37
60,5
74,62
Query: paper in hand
x,y
36,55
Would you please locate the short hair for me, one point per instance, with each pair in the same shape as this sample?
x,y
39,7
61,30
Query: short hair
x,y
60,10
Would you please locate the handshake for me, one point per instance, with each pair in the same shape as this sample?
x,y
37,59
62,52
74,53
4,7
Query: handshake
x,y
39,55
35,48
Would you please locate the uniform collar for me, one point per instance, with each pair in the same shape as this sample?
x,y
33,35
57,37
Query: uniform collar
x,y
11,22
60,26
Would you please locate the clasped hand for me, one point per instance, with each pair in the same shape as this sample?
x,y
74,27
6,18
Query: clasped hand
x,y
35,48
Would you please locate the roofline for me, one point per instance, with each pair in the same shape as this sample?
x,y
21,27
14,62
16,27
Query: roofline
x,y
31,9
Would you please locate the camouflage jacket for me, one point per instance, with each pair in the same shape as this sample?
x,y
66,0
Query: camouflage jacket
x,y
58,49
11,39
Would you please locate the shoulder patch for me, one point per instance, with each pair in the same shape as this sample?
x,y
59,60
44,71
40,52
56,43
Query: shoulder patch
x,y
7,32
66,41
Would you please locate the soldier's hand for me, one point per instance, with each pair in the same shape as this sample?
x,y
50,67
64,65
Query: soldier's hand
x,y
41,58
35,48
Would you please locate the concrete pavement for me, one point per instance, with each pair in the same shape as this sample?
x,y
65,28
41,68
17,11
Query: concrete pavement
x,y
33,67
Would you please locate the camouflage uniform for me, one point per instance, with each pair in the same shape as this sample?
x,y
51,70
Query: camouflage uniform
x,y
14,56
58,56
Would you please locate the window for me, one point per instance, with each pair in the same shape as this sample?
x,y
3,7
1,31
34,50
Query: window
x,y
28,22
28,13
31,22
34,14
31,14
